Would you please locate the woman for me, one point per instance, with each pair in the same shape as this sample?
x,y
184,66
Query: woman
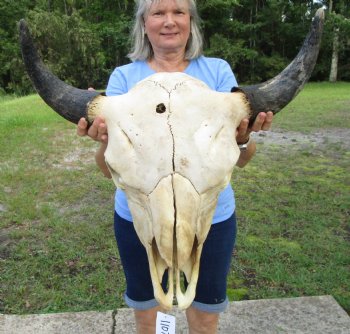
x,y
167,39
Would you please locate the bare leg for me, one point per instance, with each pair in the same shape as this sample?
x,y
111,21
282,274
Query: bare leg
x,y
200,322
146,320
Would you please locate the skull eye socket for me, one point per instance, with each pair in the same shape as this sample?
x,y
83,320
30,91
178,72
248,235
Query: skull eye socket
x,y
160,108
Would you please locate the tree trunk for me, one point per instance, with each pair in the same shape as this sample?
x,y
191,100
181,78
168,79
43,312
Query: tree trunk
x,y
334,65
65,7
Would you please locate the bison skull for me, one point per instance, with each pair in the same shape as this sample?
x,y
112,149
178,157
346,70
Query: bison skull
x,y
172,149
173,152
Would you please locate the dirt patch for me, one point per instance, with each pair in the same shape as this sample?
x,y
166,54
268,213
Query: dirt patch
x,y
320,138
77,158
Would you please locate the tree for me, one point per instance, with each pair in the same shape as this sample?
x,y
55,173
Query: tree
x,y
12,77
340,24
69,46
82,41
257,37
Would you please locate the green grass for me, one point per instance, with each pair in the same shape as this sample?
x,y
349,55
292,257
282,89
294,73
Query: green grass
x,y
293,206
294,226
319,106
57,249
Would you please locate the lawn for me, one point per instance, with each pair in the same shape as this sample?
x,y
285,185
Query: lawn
x,y
57,249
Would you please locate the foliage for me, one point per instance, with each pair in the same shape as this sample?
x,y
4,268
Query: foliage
x,y
69,43
338,19
12,75
83,40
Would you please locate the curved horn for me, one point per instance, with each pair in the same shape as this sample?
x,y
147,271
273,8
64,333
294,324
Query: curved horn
x,y
69,102
276,93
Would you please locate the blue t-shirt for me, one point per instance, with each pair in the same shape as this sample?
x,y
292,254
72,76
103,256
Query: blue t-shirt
x,y
216,73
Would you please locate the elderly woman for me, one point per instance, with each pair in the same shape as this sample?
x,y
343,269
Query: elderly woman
x,y
167,39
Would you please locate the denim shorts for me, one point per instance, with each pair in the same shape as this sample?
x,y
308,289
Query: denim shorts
x,y
214,267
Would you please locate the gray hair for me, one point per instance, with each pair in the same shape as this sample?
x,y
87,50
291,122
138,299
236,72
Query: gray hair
x,y
142,48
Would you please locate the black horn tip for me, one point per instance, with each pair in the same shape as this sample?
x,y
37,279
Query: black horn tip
x,y
320,13
69,102
274,94
23,24
24,33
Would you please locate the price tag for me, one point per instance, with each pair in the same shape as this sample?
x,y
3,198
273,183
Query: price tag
x,y
165,323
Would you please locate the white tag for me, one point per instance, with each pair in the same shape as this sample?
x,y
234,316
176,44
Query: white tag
x,y
165,323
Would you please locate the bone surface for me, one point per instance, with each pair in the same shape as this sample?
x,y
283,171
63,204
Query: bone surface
x,y
172,153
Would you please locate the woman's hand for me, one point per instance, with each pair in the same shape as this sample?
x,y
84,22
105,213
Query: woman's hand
x,y
97,131
262,122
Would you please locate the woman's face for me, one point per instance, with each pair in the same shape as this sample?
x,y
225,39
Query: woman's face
x,y
168,25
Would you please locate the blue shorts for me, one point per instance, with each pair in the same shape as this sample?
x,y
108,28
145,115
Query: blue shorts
x,y
214,267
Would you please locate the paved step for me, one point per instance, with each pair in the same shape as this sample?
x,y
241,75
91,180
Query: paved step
x,y
304,315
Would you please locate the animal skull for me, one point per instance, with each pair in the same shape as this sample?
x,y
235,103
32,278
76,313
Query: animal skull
x,y
172,155
172,149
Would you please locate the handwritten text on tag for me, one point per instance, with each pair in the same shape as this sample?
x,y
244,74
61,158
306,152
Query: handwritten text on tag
x,y
165,323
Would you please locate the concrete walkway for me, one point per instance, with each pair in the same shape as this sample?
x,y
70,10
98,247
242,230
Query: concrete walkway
x,y
305,315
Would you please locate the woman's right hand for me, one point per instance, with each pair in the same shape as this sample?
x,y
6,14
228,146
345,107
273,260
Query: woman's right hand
x,y
97,131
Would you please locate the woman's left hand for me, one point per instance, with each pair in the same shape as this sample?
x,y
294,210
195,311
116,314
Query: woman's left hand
x,y
262,122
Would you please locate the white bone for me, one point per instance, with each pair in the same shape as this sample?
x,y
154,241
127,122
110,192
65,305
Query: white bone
x,y
172,151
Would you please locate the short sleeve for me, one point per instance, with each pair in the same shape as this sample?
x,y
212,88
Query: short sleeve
x,y
117,84
226,79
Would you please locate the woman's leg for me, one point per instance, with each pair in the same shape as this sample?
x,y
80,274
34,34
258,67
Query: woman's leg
x,y
146,320
139,290
200,322
211,298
